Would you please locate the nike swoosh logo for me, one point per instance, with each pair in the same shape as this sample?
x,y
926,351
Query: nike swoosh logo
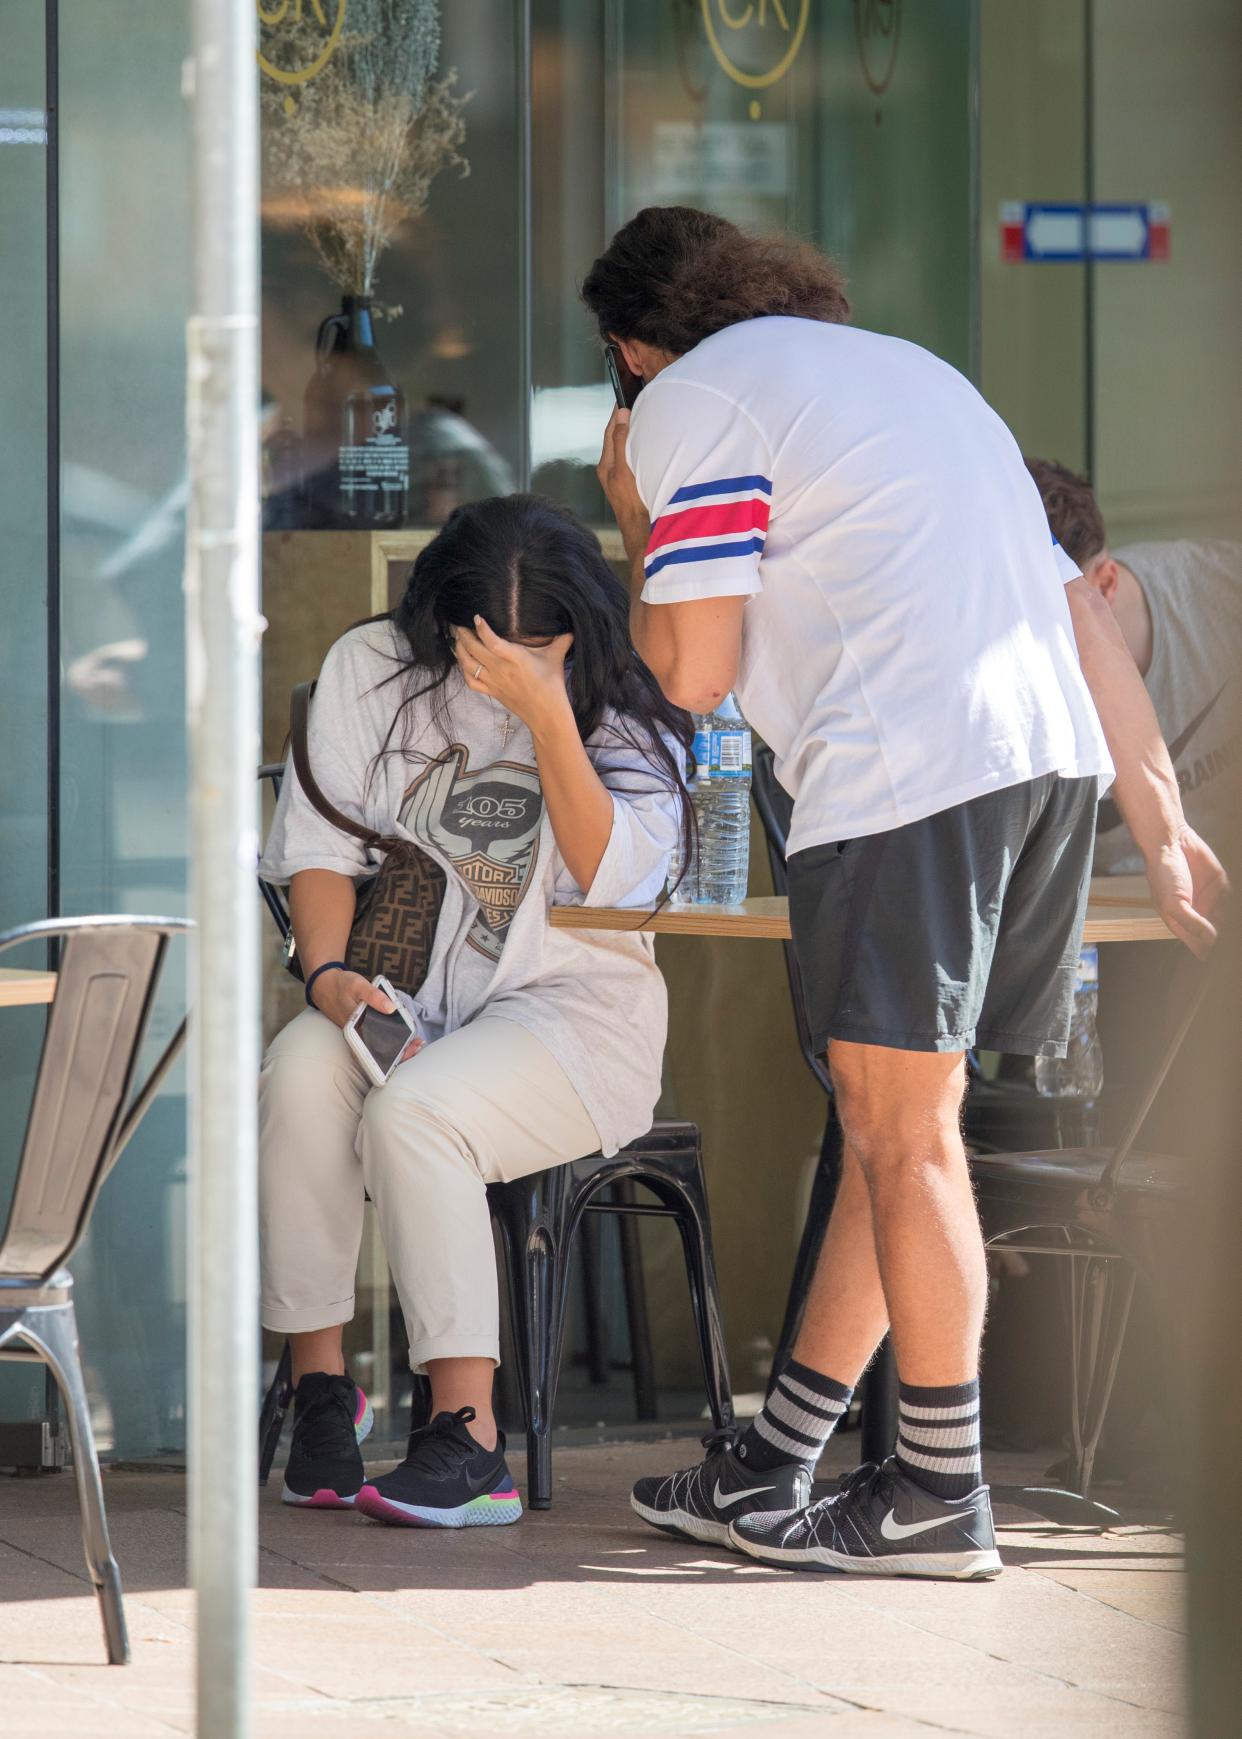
x,y
1179,742
892,1529
484,1484
724,1501
1109,816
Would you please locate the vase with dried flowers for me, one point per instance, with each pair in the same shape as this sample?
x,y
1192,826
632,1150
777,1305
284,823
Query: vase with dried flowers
x,y
355,159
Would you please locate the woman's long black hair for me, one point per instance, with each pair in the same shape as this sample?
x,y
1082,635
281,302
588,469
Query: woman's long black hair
x,y
533,571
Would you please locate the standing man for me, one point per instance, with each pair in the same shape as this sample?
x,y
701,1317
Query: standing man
x,y
835,524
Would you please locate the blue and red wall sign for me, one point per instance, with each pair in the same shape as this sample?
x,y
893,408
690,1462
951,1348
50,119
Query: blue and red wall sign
x,y
1061,232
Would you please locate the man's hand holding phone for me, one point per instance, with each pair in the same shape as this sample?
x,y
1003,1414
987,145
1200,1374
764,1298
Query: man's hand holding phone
x,y
617,481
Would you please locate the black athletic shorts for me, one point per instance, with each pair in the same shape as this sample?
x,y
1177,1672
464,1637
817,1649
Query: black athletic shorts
x,y
958,930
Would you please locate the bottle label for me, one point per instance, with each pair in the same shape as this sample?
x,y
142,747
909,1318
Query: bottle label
x,y
1088,968
730,754
381,464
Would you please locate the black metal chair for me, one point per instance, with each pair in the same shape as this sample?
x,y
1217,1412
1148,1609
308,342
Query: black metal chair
x,y
539,1219
1113,1219
1103,1214
82,1114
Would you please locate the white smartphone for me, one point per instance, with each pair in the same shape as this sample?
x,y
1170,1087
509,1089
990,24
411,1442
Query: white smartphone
x,y
379,1040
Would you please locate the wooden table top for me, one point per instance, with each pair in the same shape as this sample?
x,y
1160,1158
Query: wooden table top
x,y
20,988
1118,911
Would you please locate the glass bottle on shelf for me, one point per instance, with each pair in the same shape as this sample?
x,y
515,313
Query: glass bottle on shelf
x,y
356,453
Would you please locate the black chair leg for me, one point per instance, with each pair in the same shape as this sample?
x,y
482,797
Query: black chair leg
x,y
272,1413
686,1195
420,1403
818,1213
646,1404
57,1340
1101,1297
598,1362
534,1217
879,1405
507,1389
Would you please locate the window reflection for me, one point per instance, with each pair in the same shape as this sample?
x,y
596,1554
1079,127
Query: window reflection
x,y
390,339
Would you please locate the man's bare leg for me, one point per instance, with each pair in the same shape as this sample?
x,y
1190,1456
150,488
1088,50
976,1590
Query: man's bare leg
x,y
842,1324
846,1316
900,1111
927,1513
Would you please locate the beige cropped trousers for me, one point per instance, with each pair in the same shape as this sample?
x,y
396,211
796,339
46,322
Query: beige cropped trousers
x,y
489,1102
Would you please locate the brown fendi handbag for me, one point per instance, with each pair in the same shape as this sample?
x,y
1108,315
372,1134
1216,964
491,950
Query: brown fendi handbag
x,y
397,911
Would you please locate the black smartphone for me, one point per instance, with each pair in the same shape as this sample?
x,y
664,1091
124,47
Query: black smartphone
x,y
379,1040
626,385
385,1036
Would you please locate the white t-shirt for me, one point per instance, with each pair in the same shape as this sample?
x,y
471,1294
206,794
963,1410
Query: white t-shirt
x,y
906,643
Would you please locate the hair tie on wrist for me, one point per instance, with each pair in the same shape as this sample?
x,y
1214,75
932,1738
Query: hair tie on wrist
x,y
328,966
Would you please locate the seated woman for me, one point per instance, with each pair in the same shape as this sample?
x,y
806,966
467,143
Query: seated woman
x,y
502,721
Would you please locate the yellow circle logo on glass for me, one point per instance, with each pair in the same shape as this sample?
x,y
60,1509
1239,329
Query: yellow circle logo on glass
x,y
325,32
765,35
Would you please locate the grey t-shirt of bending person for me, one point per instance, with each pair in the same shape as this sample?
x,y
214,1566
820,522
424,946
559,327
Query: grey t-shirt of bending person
x,y
485,821
1194,594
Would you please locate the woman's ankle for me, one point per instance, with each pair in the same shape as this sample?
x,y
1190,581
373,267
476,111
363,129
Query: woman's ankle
x,y
317,1353
484,1431
465,1382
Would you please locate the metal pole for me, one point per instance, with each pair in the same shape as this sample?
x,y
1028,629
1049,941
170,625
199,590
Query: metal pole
x,y
223,628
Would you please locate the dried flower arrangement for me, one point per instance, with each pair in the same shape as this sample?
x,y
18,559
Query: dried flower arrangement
x,y
355,158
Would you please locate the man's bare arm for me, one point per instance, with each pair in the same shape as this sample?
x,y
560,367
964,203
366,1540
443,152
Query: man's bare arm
x,y
693,648
1185,876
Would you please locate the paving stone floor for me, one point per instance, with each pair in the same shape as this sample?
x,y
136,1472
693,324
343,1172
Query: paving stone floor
x,y
580,1622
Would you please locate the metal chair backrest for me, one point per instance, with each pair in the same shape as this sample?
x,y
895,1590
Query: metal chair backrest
x,y
775,809
84,1110
275,898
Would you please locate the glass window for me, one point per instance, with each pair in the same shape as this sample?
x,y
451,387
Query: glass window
x,y
391,323
851,125
125,272
23,578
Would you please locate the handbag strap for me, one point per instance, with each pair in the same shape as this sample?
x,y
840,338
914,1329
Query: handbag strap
x,y
299,730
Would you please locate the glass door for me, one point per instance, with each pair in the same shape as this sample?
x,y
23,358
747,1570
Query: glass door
x,y
24,591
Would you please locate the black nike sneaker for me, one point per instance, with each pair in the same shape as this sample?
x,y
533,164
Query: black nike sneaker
x,y
447,1480
701,1501
879,1524
331,1416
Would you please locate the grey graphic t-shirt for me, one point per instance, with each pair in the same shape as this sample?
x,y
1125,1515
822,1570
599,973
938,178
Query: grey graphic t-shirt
x,y
1194,593
463,783
485,821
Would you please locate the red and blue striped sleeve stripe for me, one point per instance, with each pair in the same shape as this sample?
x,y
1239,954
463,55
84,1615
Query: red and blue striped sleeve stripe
x,y
713,521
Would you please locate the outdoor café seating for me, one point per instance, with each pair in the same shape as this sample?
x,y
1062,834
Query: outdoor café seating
x,y
541,1219
83,1112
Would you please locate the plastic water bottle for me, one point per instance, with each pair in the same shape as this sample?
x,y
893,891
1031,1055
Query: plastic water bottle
x,y
1079,1074
720,791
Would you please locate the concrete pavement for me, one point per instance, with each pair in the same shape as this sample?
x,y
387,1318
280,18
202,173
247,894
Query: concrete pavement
x,y
580,1621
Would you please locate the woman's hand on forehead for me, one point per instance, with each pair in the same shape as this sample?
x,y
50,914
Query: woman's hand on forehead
x,y
528,678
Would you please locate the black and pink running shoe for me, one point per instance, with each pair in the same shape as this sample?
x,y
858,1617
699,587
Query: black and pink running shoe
x,y
447,1480
331,1416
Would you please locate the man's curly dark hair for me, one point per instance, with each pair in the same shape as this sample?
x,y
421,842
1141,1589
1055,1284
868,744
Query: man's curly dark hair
x,y
1073,512
673,275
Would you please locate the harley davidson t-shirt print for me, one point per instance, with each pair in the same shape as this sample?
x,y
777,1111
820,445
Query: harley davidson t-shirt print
x,y
485,821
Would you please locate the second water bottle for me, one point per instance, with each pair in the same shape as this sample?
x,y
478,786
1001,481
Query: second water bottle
x,y
720,790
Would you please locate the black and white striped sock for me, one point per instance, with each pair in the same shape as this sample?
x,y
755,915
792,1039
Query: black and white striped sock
x,y
938,1438
798,1418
